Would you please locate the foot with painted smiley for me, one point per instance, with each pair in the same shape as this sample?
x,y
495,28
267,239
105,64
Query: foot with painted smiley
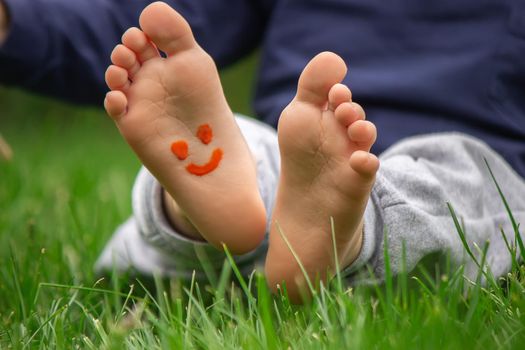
x,y
327,173
171,110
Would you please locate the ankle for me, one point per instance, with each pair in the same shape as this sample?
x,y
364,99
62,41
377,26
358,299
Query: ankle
x,y
4,22
178,220
321,269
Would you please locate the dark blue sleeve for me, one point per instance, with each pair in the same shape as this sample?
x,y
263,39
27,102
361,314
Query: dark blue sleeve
x,y
61,48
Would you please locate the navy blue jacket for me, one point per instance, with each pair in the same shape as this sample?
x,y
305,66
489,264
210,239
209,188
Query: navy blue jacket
x,y
415,66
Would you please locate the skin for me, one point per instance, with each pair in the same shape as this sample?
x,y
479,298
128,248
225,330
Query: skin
x,y
327,171
331,163
164,106
4,22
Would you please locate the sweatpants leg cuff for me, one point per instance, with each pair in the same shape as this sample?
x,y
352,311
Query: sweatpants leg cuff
x,y
185,253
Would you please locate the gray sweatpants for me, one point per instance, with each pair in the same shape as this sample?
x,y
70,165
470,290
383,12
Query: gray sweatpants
x,y
417,178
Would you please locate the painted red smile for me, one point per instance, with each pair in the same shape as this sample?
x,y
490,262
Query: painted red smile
x,y
210,166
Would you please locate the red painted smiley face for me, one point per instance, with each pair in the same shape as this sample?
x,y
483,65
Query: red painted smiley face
x,y
180,149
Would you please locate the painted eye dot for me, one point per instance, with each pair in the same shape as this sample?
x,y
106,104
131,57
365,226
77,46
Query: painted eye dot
x,y
205,134
180,149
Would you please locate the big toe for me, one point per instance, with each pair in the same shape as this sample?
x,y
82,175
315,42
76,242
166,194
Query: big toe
x,y
166,28
319,76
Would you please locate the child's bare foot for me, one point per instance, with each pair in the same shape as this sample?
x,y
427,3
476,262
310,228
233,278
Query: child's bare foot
x,y
326,171
174,115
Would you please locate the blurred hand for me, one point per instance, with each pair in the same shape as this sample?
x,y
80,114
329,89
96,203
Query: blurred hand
x,y
4,22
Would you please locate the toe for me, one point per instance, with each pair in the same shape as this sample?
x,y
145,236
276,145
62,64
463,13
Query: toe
x,y
363,133
117,78
123,57
319,76
348,112
138,42
166,28
359,110
364,163
115,104
339,93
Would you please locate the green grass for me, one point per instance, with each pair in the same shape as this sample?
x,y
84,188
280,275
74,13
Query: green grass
x,y
68,187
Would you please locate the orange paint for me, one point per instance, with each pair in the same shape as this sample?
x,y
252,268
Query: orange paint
x,y
205,134
212,164
180,149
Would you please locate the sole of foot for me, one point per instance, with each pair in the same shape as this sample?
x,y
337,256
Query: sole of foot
x,y
327,174
171,110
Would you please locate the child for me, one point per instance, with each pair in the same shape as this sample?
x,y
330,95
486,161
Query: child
x,y
212,177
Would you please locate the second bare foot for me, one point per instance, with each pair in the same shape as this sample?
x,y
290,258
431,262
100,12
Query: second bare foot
x,y
326,172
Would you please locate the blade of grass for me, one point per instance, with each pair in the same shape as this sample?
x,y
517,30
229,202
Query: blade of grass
x,y
265,313
515,225
43,324
511,249
16,283
336,257
189,310
237,272
461,234
475,299
211,273
224,277
296,257
88,289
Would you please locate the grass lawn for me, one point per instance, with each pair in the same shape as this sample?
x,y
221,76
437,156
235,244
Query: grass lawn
x,y
68,186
